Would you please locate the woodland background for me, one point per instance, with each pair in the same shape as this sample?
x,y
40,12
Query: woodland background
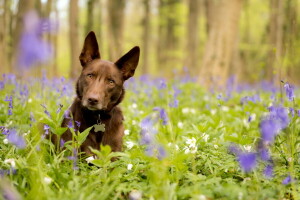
x,y
252,40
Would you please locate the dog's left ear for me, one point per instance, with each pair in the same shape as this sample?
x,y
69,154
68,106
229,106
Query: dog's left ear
x,y
128,63
90,50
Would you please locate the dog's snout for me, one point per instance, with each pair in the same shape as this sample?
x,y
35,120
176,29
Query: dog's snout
x,y
92,101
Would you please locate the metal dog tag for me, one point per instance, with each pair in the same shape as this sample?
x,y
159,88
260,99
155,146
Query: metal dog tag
x,y
99,127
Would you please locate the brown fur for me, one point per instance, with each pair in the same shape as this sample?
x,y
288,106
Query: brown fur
x,y
99,90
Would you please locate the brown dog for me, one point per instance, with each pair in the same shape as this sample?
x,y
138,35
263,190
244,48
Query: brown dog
x,y
99,90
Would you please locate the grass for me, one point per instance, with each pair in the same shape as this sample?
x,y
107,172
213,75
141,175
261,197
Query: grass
x,y
187,156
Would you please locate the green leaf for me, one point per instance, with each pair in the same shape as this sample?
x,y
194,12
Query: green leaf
x,y
82,136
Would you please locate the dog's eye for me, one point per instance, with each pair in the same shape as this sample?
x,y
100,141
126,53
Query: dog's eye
x,y
90,75
111,81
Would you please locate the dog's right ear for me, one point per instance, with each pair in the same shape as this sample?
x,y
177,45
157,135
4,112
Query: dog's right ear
x,y
90,49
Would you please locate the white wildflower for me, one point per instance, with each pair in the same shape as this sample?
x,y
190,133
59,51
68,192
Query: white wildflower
x,y
129,144
225,108
205,137
129,166
191,142
5,141
216,146
90,159
185,110
253,116
126,132
10,161
186,150
206,98
192,110
134,105
29,100
133,122
47,180
247,148
135,195
213,111
202,197
246,123
180,125
193,149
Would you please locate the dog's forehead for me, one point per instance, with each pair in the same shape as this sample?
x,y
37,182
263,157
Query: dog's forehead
x,y
102,66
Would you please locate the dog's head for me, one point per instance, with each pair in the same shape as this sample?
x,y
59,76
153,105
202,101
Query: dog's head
x,y
100,85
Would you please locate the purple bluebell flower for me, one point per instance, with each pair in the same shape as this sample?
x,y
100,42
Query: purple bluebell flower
x,y
234,149
219,96
67,114
70,124
46,129
31,117
4,130
264,154
45,110
292,112
74,159
269,129
287,180
59,108
268,171
77,124
148,131
32,48
247,161
9,111
280,115
16,139
250,118
161,152
174,104
61,142
298,112
162,114
289,91
162,84
2,84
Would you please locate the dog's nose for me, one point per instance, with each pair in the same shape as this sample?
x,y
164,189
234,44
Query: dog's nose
x,y
92,101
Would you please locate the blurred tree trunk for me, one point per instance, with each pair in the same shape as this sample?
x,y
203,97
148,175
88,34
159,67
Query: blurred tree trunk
x,y
274,67
90,16
209,6
74,46
291,41
54,39
116,17
146,37
98,25
168,40
23,7
3,37
221,42
192,56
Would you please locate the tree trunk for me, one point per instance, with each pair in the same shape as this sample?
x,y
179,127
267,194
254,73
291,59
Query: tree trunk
x,y
274,68
116,23
193,35
90,16
146,37
74,46
168,40
3,38
23,7
291,42
220,44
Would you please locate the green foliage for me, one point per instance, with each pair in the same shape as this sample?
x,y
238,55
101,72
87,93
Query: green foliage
x,y
196,164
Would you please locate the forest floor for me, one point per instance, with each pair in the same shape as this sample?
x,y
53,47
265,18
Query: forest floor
x,y
181,142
